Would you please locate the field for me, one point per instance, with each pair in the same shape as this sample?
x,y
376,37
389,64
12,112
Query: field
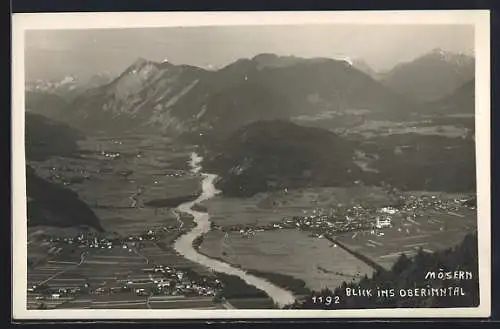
x,y
111,268
289,252
131,301
117,188
317,261
438,125
427,127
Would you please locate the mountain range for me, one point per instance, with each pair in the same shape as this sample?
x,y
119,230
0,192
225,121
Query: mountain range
x,y
182,98
69,86
51,98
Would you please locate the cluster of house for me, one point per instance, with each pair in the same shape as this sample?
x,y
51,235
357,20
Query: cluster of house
x,y
162,280
45,291
176,173
170,281
356,217
77,175
166,281
91,241
317,222
422,202
110,155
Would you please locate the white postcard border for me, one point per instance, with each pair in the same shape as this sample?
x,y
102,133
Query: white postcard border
x,y
23,22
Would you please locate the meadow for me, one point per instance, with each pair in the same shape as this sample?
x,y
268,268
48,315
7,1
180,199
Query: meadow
x,y
119,189
291,252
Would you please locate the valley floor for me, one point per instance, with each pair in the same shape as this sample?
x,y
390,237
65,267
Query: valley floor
x,y
282,232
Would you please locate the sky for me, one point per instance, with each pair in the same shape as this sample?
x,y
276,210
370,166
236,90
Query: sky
x,y
53,54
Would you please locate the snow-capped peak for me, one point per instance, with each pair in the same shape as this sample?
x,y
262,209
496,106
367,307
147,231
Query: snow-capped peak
x,y
346,59
451,57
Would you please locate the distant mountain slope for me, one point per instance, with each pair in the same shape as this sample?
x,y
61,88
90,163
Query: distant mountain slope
x,y
461,101
45,138
364,67
184,98
142,94
332,85
275,154
70,86
432,76
45,103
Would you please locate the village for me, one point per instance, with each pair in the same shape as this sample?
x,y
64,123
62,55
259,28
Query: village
x,y
321,222
146,279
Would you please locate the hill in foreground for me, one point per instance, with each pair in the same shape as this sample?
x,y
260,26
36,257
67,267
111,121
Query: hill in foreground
x,y
278,154
52,205
410,274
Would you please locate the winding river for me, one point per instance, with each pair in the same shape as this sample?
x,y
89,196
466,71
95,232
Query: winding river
x,y
184,244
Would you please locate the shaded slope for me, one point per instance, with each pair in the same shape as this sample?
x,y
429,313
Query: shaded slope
x,y
432,76
420,162
276,154
53,205
332,85
46,138
461,101
139,96
305,86
48,203
44,103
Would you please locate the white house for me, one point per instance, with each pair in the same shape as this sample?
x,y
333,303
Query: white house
x,y
381,223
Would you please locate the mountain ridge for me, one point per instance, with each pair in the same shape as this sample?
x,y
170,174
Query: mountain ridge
x,y
171,97
431,76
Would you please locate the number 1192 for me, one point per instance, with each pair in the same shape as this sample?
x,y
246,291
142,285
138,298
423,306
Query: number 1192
x,y
326,300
